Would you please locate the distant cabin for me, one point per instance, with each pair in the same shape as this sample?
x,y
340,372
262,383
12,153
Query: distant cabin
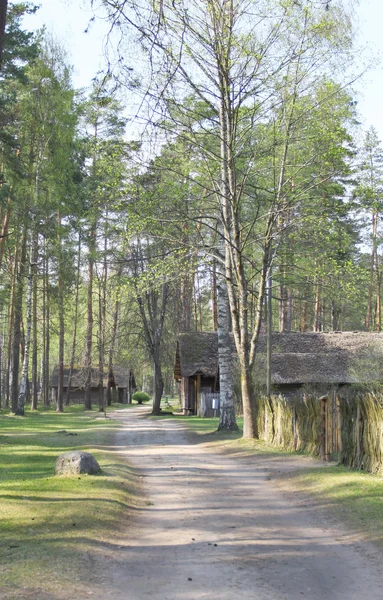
x,y
122,383
327,360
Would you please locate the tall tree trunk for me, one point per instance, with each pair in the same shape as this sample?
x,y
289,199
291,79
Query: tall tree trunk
x,y
317,310
372,270
227,420
158,385
60,385
102,321
24,375
89,330
75,318
4,231
214,305
378,295
11,316
34,322
47,340
113,339
17,322
2,339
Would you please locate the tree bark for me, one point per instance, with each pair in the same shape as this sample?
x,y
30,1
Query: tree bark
x,y
372,270
158,384
24,376
34,323
8,379
214,304
60,385
113,339
17,323
74,338
89,331
47,340
102,328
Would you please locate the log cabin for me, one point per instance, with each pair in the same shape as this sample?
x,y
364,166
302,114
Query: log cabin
x,y
122,383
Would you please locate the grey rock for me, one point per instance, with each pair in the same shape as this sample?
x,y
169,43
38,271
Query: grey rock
x,y
76,462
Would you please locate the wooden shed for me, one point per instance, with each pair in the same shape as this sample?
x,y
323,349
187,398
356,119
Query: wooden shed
x,y
122,380
324,359
196,367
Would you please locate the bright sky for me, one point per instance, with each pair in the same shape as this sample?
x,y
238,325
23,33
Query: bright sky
x,y
67,20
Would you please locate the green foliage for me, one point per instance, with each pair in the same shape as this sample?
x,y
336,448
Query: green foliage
x,y
141,397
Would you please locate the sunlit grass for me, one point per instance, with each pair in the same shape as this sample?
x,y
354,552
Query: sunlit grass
x,y
352,496
46,520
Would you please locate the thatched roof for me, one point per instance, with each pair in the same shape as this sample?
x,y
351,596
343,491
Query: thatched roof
x,y
297,358
120,376
196,353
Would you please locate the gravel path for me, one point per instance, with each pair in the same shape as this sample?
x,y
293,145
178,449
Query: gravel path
x,y
215,527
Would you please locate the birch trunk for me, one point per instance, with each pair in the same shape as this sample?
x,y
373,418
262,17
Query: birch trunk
x,y
214,292
227,419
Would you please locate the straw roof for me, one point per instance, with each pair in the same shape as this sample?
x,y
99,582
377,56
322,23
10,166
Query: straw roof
x,y
196,353
297,358
122,375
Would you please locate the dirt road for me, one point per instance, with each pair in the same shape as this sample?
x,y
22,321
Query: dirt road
x,y
215,527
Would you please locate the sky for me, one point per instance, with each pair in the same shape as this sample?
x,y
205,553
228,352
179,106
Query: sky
x,y
67,21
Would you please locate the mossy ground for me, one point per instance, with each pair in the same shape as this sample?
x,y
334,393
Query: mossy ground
x,y
49,525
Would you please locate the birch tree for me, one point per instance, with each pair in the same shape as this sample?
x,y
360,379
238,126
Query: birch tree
x,y
240,59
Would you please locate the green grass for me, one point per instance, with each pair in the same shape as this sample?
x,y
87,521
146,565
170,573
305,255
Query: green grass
x,y
354,497
46,521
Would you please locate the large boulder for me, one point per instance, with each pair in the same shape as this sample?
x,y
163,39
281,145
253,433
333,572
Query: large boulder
x,y
76,463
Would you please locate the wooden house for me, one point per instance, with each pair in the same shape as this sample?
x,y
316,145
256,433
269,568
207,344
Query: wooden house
x,y
122,383
325,360
196,367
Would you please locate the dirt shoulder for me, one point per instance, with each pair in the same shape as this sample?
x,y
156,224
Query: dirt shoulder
x,y
216,526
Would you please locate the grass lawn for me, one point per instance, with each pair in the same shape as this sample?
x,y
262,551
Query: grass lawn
x,y
49,525
351,497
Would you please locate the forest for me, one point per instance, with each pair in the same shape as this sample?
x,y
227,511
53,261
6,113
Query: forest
x,y
250,169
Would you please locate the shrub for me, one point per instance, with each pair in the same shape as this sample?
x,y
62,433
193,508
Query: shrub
x,y
141,397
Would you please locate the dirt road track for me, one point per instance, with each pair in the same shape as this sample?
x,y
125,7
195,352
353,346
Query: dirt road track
x,y
216,528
